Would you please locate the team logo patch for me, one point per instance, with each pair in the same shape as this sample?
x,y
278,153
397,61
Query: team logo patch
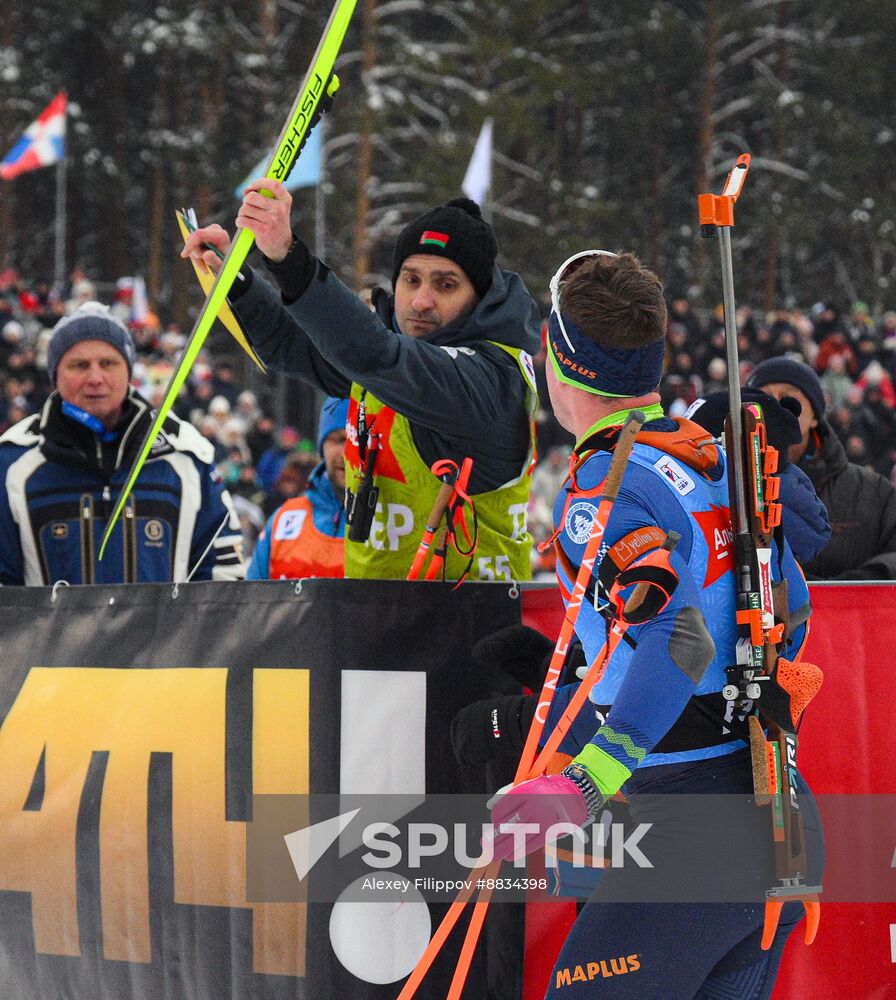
x,y
290,525
59,530
153,530
579,519
675,474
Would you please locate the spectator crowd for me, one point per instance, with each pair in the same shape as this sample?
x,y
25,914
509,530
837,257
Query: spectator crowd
x,y
263,465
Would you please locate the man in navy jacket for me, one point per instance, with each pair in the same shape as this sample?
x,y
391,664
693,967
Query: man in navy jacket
x,y
63,468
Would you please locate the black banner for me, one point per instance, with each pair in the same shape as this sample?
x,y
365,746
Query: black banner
x,y
137,723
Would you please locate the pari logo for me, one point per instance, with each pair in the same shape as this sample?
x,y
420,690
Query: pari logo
x,y
792,773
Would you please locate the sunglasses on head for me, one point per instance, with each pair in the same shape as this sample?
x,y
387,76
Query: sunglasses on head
x,y
564,272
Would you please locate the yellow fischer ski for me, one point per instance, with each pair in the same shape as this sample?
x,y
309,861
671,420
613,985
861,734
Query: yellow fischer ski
x,y
206,277
318,87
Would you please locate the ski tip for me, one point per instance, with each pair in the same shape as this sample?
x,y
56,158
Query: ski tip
x,y
106,535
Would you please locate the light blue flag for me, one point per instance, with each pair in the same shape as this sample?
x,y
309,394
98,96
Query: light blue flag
x,y
306,172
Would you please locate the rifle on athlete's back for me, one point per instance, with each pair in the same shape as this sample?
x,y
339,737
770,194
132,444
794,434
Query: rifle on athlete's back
x,y
763,688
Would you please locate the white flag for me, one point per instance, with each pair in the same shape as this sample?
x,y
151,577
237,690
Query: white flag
x,y
478,178
139,303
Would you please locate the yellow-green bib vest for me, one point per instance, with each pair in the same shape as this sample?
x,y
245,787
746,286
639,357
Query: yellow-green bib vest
x,y
407,491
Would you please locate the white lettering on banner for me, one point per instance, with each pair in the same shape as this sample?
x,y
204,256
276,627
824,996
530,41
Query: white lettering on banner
x,y
517,512
290,524
399,522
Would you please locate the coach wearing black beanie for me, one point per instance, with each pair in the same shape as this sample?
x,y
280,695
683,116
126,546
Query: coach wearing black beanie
x,y
438,369
455,231
861,504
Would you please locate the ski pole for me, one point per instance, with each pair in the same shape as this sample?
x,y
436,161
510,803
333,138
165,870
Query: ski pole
x,y
612,484
447,472
455,502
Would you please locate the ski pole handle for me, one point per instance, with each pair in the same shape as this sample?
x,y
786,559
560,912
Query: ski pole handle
x,y
621,453
443,498
438,555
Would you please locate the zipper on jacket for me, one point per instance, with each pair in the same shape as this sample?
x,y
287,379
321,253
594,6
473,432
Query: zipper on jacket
x,y
130,541
87,546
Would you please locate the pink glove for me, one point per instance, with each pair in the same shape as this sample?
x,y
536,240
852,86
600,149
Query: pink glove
x,y
542,802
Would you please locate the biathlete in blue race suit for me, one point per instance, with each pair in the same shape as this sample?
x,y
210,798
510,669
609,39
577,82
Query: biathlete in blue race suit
x,y
658,729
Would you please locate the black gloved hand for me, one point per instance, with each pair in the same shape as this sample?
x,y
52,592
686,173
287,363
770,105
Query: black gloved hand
x,y
781,424
523,652
492,728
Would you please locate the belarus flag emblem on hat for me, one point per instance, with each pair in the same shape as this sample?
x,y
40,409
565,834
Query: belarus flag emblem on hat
x,y
431,236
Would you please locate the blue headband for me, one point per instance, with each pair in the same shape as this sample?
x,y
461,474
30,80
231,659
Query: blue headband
x,y
605,371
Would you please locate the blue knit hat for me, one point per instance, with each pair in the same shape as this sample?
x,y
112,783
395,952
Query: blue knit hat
x,y
90,321
333,415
